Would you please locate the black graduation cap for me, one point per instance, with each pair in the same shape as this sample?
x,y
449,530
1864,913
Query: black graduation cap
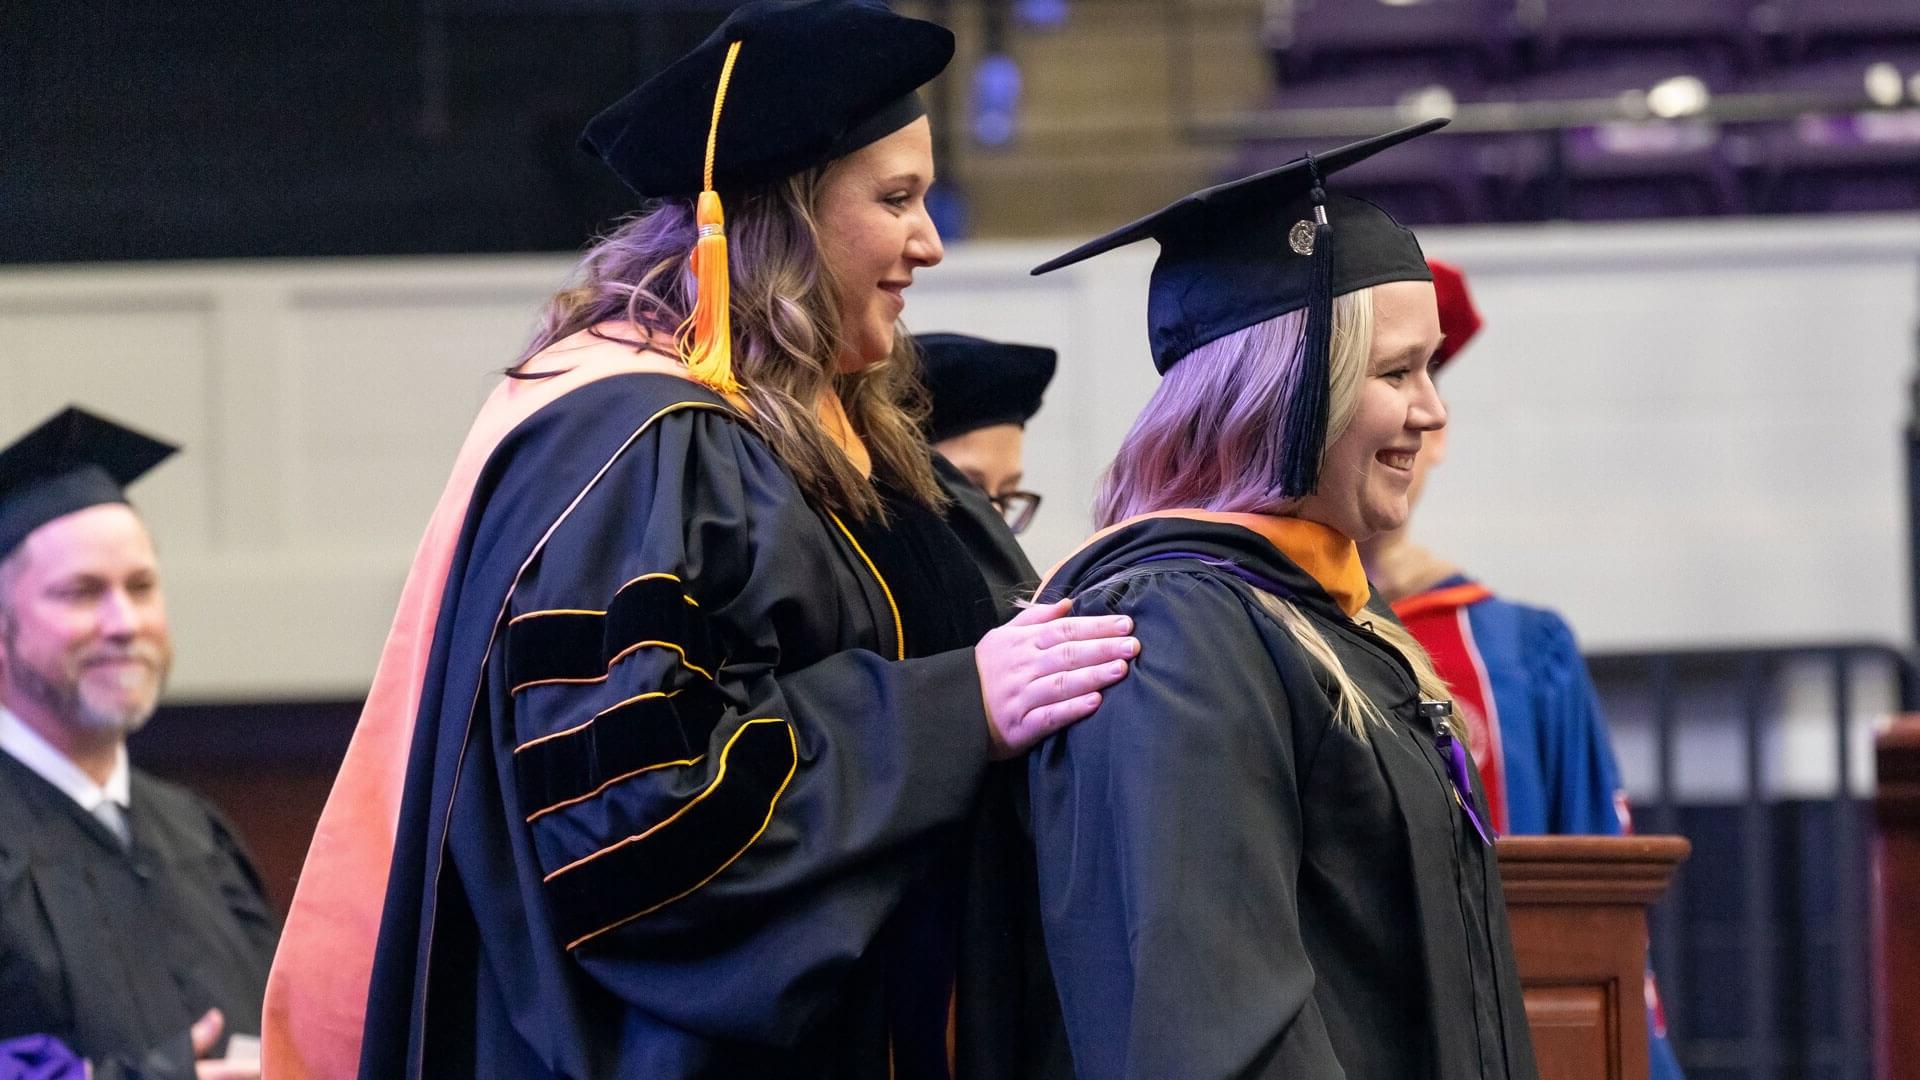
x,y
1257,248
977,383
813,81
70,462
779,87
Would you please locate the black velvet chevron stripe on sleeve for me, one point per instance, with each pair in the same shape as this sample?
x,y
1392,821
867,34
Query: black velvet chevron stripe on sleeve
x,y
656,608
576,645
648,731
648,871
555,646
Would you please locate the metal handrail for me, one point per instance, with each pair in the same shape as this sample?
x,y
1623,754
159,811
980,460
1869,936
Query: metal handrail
x,y
1846,862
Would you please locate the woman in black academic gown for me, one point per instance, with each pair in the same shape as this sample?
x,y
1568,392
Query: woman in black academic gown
x,y
1265,856
704,714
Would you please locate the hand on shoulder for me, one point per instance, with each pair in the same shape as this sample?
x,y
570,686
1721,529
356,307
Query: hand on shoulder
x,y
1045,669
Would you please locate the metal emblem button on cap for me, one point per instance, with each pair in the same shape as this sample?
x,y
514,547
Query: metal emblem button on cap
x,y
1300,237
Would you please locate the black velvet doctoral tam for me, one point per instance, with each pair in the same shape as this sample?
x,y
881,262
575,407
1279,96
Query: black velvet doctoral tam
x,y
813,81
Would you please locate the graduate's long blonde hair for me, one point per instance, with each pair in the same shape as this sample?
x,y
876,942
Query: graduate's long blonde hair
x,y
1210,437
786,335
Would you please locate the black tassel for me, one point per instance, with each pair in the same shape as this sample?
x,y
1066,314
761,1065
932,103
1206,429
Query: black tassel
x,y
1306,418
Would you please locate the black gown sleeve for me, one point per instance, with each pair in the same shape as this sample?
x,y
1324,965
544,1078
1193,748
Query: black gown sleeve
x,y
725,801
172,1060
1168,833
244,904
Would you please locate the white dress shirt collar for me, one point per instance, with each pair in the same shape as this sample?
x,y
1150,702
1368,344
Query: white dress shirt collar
x,y
26,745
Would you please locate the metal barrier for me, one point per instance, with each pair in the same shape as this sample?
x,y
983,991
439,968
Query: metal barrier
x,y
1789,917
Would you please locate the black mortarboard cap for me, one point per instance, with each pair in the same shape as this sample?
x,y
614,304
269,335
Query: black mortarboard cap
x,y
781,86
1257,248
814,81
976,383
70,462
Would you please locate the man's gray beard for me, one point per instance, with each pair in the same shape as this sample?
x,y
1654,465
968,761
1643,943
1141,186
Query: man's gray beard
x,y
67,702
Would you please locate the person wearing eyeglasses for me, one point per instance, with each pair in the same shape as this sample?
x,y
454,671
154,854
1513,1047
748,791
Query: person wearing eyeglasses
x,y
983,393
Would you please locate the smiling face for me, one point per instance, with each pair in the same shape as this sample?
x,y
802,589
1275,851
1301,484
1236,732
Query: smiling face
x,y
1368,471
874,233
84,646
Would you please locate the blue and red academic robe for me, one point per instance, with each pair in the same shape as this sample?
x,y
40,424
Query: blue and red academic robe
x,y
1538,737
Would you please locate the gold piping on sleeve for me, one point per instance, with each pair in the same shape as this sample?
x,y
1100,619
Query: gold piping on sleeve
x,y
518,619
619,656
588,722
711,787
564,803
772,805
660,575
899,631
417,1012
656,576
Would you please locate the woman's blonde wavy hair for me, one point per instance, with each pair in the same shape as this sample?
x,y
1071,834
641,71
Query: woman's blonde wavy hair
x,y
787,336
1211,437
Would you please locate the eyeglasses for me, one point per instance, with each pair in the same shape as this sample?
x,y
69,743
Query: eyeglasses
x,y
1017,507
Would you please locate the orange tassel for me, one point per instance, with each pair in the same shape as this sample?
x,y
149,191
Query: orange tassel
x,y
706,338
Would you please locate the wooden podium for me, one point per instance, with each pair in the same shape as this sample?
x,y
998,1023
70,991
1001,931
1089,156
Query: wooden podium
x,y
1578,906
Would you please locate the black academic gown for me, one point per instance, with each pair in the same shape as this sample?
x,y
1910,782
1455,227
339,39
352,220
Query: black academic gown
x,y
671,782
1007,1018
1232,883
996,552
118,951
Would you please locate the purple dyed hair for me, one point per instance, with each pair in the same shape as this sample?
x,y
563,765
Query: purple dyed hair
x,y
1210,436
1208,439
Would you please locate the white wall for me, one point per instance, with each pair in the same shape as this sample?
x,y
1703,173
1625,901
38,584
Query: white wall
x,y
1689,435
1672,433
320,404
1677,434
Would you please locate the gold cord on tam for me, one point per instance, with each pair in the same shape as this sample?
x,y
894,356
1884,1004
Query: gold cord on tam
x,y
705,340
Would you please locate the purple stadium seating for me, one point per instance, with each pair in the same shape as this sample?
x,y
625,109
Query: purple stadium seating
x,y
1428,181
1582,29
1577,148
1842,81
1841,153
1443,37
1370,85
1442,186
1608,81
1812,25
1613,168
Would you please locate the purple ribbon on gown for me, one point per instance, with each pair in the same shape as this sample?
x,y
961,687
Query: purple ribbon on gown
x,y
39,1057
